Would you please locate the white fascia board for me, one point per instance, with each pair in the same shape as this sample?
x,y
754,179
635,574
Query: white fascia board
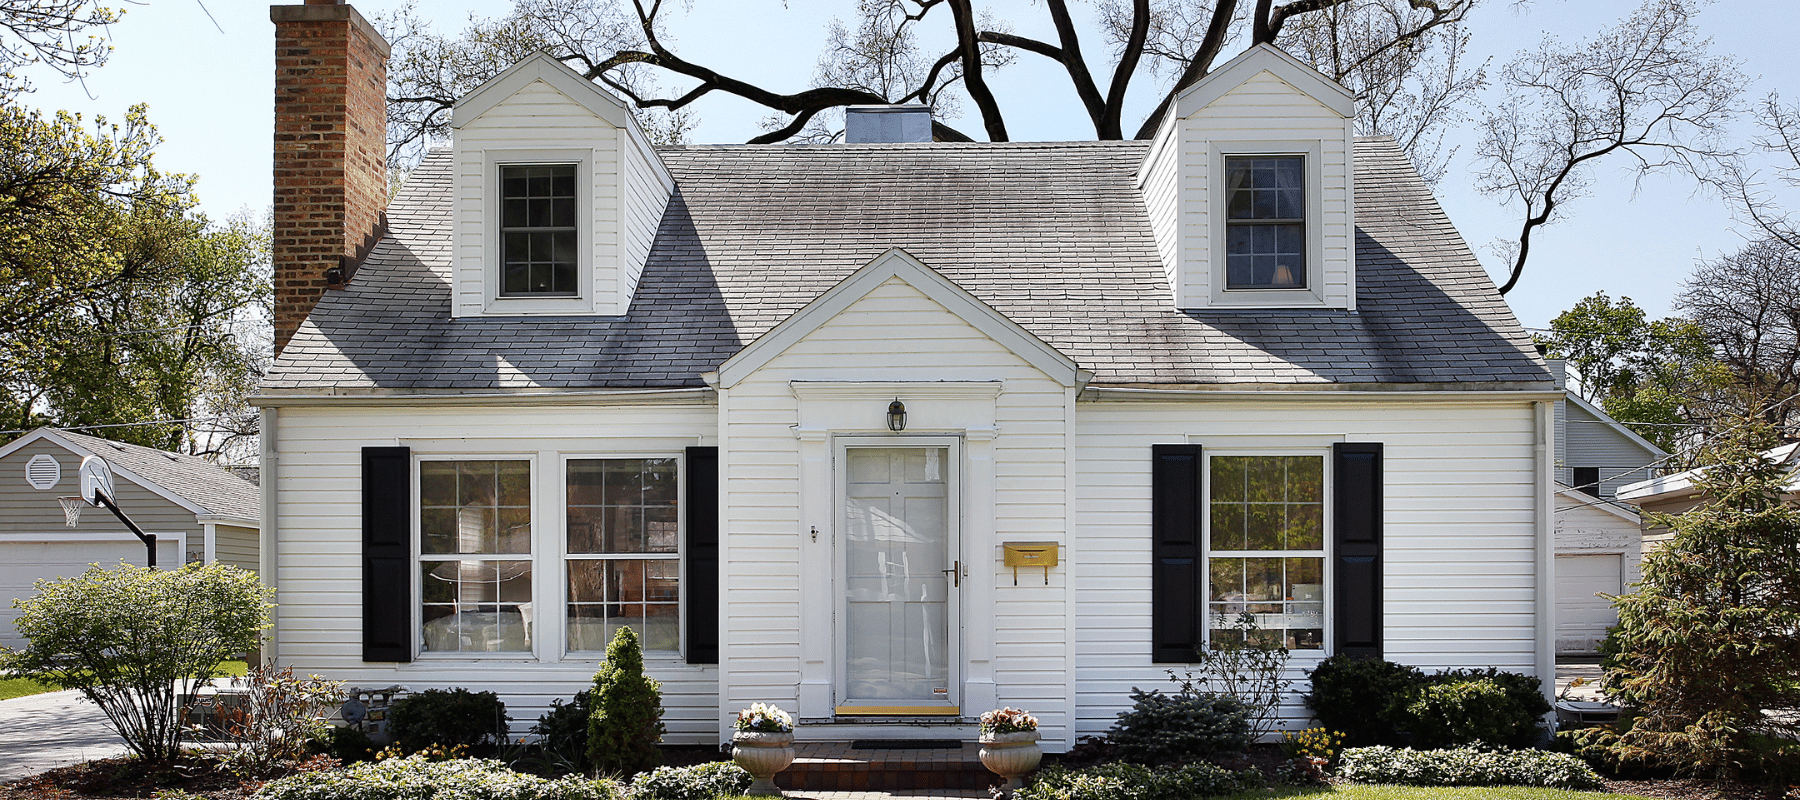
x,y
1270,59
1600,503
539,66
1681,484
1651,449
231,519
148,485
15,445
897,263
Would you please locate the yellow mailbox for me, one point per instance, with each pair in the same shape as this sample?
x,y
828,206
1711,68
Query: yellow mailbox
x,y
1030,554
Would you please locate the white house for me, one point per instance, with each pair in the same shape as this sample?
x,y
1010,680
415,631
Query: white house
x,y
1598,543
790,411
198,511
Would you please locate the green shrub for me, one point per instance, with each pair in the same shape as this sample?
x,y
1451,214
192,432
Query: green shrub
x,y
1466,766
699,782
1173,727
563,730
349,745
125,637
626,720
1126,781
1461,711
1352,695
1380,702
447,717
416,778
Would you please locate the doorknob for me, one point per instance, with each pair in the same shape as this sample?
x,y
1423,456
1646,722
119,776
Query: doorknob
x,y
955,573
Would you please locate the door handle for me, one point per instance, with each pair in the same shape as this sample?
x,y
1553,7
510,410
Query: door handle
x,y
955,573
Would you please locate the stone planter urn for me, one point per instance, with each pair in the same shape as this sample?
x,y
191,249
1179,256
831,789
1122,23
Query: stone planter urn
x,y
762,754
1012,756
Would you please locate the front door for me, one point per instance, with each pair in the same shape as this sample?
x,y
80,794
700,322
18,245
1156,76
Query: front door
x,y
898,619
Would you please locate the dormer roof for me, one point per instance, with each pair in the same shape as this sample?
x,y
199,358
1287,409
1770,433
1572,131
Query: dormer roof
x,y
540,66
1255,61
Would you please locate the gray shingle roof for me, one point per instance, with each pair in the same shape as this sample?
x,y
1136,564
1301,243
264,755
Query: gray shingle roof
x,y
1054,235
195,479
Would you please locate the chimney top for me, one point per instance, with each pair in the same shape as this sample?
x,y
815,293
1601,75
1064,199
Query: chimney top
x,y
887,124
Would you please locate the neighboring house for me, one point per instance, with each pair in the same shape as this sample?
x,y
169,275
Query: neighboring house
x,y
198,511
1597,536
1676,493
795,413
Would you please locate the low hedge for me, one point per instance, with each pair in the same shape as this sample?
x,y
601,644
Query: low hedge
x,y
416,778
1127,781
698,782
1466,766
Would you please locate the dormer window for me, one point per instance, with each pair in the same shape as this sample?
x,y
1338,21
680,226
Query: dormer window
x,y
1265,225
538,247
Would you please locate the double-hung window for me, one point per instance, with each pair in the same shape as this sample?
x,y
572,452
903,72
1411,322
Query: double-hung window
x,y
538,233
1266,549
475,567
624,551
1265,222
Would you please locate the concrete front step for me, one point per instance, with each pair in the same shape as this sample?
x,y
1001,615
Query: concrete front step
x,y
839,767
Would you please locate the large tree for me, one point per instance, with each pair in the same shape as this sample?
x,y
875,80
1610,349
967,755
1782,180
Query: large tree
x,y
1747,307
1402,56
1647,93
1658,377
125,306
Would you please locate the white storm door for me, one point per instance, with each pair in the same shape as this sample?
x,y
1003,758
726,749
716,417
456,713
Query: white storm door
x,y
898,621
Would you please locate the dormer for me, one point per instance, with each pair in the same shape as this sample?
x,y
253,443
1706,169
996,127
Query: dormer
x,y
558,196
1248,185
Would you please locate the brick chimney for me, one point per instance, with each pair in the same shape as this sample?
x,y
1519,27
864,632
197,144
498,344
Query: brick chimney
x,y
330,152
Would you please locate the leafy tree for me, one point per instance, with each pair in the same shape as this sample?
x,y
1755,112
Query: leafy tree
x,y
1706,644
625,722
50,33
941,52
1648,89
1658,377
130,307
125,636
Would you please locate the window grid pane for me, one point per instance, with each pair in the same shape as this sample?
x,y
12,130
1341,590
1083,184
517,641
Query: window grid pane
x,y
623,540
538,239
1265,226
1271,508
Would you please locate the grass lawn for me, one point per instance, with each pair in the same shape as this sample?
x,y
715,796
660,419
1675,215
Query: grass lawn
x,y
1365,792
20,687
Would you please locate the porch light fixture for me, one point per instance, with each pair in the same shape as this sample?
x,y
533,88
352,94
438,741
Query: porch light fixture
x,y
896,416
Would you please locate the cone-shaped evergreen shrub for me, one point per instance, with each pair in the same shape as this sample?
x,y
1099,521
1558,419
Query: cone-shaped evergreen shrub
x,y
625,722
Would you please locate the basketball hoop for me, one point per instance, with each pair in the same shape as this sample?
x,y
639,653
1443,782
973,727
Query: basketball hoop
x,y
72,509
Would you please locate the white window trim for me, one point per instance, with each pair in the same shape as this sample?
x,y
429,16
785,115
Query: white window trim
x,y
420,654
1311,152
1326,477
583,301
676,656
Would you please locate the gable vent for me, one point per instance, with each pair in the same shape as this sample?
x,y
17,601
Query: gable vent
x,y
43,471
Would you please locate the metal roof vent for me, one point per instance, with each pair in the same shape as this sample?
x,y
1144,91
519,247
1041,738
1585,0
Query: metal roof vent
x,y
887,124
43,471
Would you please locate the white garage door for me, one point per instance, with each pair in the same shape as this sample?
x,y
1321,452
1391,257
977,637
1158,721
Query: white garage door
x,y
22,562
1581,617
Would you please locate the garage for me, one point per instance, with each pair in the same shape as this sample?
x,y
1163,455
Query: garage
x,y
64,554
1582,617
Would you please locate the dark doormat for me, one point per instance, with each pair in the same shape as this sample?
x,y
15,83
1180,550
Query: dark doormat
x,y
906,744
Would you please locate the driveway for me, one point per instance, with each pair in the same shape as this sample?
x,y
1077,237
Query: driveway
x,y
44,731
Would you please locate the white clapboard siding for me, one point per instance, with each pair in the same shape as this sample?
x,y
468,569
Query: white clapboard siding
x,y
1459,531
895,333
626,194
319,563
1262,109
1158,182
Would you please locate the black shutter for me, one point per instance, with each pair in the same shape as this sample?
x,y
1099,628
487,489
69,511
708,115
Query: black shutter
x,y
1177,612
1357,539
702,578
387,553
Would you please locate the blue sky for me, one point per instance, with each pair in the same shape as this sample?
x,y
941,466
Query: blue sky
x,y
210,94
